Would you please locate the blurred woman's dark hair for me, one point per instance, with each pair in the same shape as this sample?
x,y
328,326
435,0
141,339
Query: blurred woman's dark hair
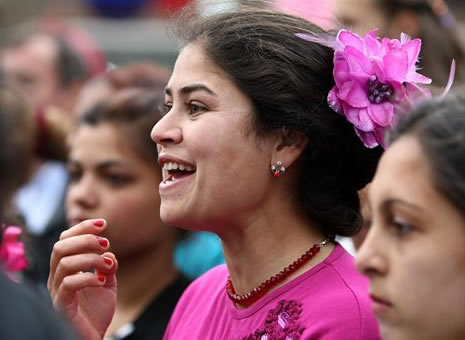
x,y
287,80
17,140
136,94
439,126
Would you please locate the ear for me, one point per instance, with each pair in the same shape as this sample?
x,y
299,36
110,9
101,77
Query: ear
x,y
289,147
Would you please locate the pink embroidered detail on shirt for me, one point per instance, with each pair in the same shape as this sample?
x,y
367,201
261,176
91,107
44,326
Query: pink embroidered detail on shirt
x,y
281,323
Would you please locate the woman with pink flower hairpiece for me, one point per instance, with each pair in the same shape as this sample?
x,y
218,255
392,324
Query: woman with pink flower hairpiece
x,y
252,151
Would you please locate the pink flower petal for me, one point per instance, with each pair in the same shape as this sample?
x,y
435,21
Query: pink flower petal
x,y
378,70
368,138
450,80
358,117
414,77
341,72
350,39
412,48
357,61
366,123
396,65
333,100
381,113
355,95
380,137
373,33
344,90
373,45
404,38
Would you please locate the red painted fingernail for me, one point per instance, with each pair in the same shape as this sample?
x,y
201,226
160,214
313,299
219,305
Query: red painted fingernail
x,y
101,278
98,223
103,242
108,261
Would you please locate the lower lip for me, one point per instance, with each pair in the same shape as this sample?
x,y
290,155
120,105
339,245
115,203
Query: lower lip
x,y
380,307
166,187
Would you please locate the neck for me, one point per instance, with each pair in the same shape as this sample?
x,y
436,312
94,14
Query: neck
x,y
144,275
141,278
256,252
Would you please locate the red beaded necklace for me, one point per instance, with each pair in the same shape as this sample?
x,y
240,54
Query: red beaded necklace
x,y
253,296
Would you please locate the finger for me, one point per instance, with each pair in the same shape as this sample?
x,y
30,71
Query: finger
x,y
94,226
74,245
110,271
66,294
74,264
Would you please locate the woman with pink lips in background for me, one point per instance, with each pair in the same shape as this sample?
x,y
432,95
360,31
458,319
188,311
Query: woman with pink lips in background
x,y
251,151
414,253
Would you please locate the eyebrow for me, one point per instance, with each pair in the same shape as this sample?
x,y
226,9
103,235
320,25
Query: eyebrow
x,y
103,165
192,88
395,201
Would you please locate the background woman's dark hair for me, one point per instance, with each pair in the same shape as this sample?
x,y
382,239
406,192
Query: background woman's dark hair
x,y
288,80
439,126
134,102
16,144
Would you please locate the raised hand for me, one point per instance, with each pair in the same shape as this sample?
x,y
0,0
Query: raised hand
x,y
82,279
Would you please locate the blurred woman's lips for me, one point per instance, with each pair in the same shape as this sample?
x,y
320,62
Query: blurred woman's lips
x,y
380,305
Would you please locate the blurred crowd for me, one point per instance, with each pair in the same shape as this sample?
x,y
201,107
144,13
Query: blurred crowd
x,y
75,143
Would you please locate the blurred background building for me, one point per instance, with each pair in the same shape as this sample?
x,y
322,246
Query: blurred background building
x,y
127,30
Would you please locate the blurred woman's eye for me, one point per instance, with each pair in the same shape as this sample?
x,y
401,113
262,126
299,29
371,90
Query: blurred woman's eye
x,y
74,175
117,180
401,226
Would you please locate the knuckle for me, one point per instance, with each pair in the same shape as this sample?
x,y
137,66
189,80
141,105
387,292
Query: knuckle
x,y
57,248
63,235
66,283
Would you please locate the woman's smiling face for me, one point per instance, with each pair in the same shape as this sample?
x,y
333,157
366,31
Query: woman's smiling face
x,y
208,134
414,253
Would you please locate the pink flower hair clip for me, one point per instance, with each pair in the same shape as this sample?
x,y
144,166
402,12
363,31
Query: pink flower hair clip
x,y
374,77
12,257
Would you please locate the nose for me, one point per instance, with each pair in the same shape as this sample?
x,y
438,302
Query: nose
x,y
82,193
371,259
167,130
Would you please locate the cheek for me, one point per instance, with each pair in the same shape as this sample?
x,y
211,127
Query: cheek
x,y
428,287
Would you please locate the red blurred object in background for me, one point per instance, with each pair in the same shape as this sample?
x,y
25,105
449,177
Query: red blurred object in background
x,y
168,6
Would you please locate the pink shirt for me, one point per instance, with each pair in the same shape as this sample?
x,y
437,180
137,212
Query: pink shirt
x,y
329,301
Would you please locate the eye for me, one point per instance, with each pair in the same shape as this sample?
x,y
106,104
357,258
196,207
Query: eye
x,y
196,109
401,226
116,180
165,108
74,175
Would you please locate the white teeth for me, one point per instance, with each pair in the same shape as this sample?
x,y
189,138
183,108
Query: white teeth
x,y
175,166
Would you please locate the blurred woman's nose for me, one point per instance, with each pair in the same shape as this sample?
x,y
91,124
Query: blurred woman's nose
x,y
83,193
371,256
167,130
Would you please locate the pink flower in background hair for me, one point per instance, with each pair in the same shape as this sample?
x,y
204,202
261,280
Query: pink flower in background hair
x,y
12,256
373,76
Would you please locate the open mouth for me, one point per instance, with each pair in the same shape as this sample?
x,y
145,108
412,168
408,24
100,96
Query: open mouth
x,y
174,171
